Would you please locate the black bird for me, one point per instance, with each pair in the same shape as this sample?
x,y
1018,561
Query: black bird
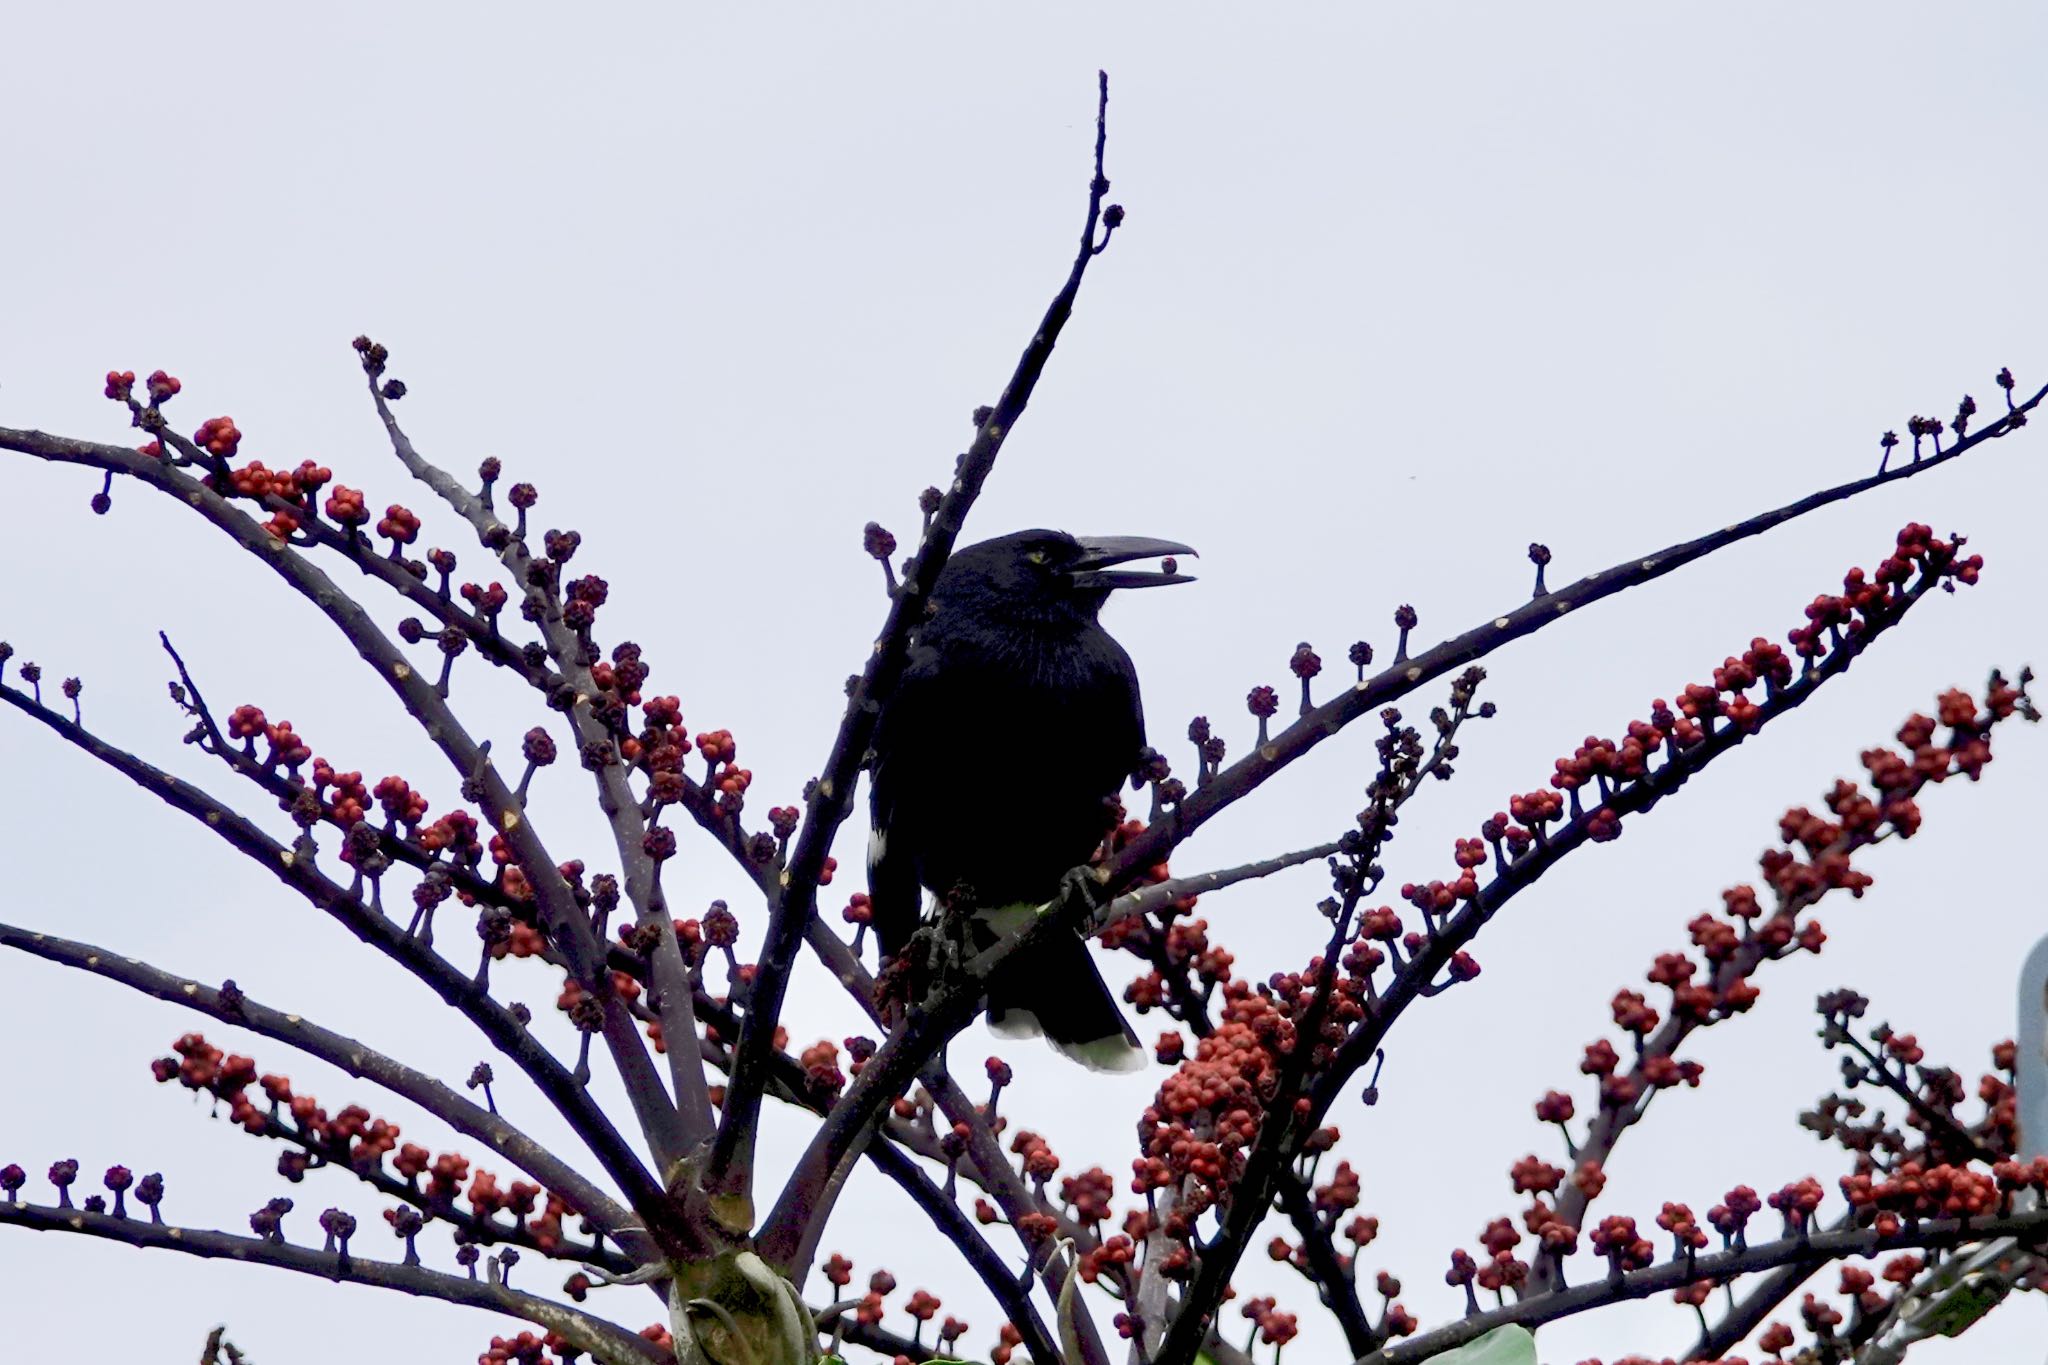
x,y
997,763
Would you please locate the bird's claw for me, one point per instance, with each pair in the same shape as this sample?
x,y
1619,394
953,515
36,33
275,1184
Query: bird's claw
x,y
1082,884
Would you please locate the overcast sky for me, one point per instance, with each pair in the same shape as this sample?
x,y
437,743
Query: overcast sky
x,y
1399,293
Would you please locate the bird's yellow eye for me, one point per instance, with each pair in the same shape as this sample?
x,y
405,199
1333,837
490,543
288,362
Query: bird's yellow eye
x,y
1035,556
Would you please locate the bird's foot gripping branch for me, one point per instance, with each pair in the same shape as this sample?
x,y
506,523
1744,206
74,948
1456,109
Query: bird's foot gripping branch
x,y
678,1003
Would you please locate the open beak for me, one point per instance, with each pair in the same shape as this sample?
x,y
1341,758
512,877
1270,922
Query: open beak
x,y
1092,570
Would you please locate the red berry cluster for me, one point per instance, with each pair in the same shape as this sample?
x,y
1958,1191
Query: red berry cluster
x,y
528,1348
399,526
218,436
361,1141
400,803
726,779
1915,1190
1036,1160
1199,1128
347,508
1815,858
1269,1324
1089,1196
1183,950
455,832
257,480
297,487
1602,766
820,1062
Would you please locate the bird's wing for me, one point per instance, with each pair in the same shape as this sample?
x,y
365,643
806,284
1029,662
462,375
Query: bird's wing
x,y
1130,745
893,890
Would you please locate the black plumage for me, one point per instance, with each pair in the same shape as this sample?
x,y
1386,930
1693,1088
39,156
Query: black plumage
x,y
997,764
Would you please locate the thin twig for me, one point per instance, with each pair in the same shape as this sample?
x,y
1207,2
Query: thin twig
x,y
1759,1302
1158,895
1943,1131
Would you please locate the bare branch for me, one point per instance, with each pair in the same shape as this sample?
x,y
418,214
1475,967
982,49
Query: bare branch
x,y
1338,1293
351,1056
1158,895
605,1340
947,1220
1748,1313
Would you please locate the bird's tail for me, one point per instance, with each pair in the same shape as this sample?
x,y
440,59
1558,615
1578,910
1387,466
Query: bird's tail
x,y
1054,991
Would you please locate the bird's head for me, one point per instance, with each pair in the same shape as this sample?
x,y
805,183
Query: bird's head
x,y
1051,574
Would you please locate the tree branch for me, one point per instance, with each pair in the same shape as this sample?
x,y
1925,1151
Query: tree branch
x,y
564,919
946,1219
1338,1293
1158,895
455,987
615,797
1748,1313
1605,1129
831,799
984,1152
607,1341
401,850
1806,1254
1404,676
351,1056
1252,1192
928,1026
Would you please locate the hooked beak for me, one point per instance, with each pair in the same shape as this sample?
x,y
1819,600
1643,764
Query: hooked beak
x,y
1092,571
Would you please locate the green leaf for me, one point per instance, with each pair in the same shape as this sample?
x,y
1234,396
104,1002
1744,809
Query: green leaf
x,y
1505,1345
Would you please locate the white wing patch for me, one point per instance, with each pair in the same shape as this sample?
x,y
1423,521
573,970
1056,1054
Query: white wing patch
x,y
1016,1023
1104,1054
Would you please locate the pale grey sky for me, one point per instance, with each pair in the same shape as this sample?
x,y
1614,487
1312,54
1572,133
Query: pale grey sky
x,y
1401,290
